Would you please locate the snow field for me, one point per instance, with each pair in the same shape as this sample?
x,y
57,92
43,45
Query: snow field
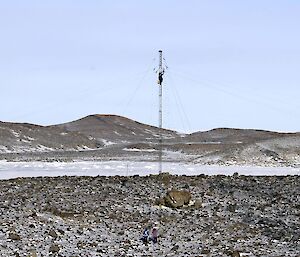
x,y
10,170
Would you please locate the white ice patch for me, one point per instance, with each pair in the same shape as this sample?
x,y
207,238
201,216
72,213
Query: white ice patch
x,y
138,150
111,168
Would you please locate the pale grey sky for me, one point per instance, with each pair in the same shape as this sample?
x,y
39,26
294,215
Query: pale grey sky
x,y
231,63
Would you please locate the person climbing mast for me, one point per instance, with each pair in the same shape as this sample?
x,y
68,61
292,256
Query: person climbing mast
x,y
160,77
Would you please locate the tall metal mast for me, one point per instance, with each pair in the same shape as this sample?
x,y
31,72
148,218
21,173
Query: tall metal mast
x,y
160,80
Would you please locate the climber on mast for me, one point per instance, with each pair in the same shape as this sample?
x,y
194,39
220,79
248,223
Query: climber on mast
x,y
160,77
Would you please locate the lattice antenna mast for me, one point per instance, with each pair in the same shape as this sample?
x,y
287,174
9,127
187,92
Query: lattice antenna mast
x,y
160,111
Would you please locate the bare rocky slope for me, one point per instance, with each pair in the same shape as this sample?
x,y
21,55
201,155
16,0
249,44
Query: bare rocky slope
x,y
116,129
24,137
98,137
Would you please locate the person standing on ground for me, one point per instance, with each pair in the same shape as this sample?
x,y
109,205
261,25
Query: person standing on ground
x,y
154,235
145,236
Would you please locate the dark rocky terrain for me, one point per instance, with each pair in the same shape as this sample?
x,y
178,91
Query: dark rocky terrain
x,y
24,137
105,216
106,137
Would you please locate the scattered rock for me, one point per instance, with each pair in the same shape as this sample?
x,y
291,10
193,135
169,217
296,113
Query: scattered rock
x,y
14,236
160,201
231,207
33,254
197,204
235,175
205,251
235,254
53,233
54,248
175,248
61,231
31,225
109,218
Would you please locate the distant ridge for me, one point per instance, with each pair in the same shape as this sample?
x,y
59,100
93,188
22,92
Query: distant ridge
x,y
107,137
234,134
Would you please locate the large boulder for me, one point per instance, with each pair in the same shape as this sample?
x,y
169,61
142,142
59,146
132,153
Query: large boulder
x,y
177,198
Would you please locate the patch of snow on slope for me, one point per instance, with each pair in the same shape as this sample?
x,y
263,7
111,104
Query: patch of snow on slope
x,y
25,141
3,149
156,135
148,131
106,142
29,138
16,134
43,148
84,148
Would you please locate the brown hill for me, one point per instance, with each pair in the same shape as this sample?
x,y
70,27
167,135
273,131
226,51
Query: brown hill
x,y
24,137
110,129
233,135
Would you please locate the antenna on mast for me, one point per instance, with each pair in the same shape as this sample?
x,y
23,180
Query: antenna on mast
x,y
161,72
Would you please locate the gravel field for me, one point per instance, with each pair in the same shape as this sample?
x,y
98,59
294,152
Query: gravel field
x,y
105,216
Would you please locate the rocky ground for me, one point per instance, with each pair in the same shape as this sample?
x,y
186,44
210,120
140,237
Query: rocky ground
x,y
105,216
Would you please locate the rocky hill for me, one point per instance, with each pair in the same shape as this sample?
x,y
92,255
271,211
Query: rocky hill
x,y
244,146
24,137
99,137
231,135
111,129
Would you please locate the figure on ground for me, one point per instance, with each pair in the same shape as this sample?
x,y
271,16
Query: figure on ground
x,y
154,235
145,236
